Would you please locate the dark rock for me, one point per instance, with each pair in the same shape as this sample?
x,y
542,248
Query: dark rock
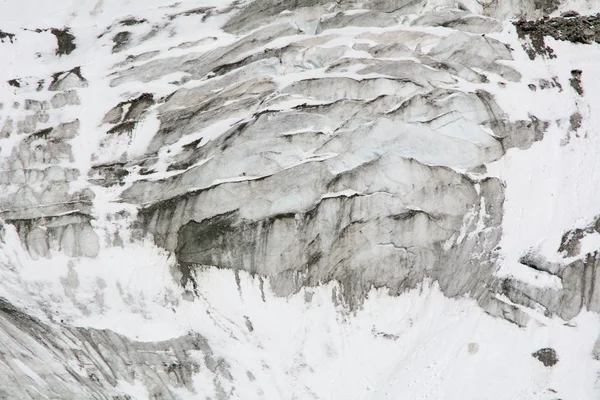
x,y
570,244
67,80
136,107
124,127
575,121
576,81
108,174
14,83
121,40
132,21
6,35
65,41
547,356
569,14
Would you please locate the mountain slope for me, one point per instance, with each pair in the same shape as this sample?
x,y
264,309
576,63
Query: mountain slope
x,y
307,199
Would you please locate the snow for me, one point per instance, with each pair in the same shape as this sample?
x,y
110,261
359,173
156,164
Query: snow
x,y
136,390
551,187
420,345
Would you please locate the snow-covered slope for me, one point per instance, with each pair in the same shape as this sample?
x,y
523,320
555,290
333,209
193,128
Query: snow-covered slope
x,y
299,200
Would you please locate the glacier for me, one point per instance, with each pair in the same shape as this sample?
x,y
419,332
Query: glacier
x,y
307,199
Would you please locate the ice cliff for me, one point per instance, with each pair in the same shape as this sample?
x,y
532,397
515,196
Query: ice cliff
x,y
307,199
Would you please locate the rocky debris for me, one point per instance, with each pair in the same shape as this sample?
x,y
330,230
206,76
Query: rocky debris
x,y
130,110
575,121
65,39
575,29
65,80
126,115
6,36
547,356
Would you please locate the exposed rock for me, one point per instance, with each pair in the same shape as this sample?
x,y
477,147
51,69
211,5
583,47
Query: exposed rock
x,y
132,21
65,41
6,36
130,110
575,81
108,175
67,80
546,356
579,29
121,40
